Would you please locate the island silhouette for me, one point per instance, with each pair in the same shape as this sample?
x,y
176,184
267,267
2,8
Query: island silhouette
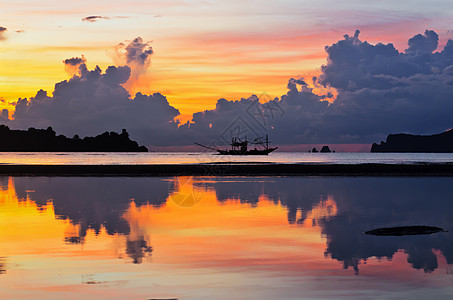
x,y
436,143
46,140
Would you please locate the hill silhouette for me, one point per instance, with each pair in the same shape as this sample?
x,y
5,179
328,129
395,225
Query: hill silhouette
x,y
46,140
436,143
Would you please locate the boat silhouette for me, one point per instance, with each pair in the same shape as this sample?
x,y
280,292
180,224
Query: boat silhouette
x,y
240,147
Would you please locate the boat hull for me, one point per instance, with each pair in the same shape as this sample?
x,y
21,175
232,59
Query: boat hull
x,y
248,152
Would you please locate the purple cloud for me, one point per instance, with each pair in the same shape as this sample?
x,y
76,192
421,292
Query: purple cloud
x,y
93,102
93,19
380,90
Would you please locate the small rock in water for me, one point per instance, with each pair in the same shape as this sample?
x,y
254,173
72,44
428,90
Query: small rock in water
x,y
325,149
405,230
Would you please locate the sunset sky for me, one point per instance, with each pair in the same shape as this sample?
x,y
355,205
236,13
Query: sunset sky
x,y
202,50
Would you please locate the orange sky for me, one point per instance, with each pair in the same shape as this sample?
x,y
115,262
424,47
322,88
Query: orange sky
x,y
203,50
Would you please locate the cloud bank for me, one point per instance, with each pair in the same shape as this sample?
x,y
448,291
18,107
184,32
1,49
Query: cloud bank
x,y
92,102
380,90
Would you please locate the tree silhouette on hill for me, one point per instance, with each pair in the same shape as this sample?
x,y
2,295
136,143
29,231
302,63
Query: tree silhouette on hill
x,y
46,140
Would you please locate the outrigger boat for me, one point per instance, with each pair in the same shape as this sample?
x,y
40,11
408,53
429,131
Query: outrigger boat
x,y
239,147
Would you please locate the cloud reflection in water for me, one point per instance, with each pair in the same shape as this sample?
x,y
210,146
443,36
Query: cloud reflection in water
x,y
342,207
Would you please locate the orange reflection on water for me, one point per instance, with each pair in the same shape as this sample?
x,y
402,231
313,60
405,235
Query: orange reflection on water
x,y
29,229
26,227
190,244
194,230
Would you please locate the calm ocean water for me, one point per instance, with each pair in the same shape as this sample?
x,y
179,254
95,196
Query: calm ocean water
x,y
224,238
209,157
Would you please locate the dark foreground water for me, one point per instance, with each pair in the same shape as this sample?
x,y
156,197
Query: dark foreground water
x,y
224,238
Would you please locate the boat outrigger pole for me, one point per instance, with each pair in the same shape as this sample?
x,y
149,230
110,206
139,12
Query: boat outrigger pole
x,y
207,147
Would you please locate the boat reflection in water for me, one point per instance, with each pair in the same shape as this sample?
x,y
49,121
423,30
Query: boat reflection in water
x,y
223,238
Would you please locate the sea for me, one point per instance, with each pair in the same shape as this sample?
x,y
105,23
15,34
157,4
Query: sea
x,y
224,237
134,158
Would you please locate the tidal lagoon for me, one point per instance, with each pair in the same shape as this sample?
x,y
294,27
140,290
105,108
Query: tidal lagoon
x,y
211,237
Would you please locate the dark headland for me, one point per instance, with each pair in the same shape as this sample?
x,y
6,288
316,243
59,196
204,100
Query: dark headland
x,y
436,143
46,140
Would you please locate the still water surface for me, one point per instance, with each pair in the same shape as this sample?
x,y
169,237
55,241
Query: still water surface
x,y
210,157
223,238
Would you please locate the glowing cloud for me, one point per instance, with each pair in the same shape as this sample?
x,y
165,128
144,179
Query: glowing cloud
x,y
137,55
75,65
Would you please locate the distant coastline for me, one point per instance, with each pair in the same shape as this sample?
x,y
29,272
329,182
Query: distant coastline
x,y
46,140
405,143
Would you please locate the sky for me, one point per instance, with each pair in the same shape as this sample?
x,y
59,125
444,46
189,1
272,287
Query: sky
x,y
184,56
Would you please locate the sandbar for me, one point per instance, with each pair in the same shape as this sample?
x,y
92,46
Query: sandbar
x,y
231,169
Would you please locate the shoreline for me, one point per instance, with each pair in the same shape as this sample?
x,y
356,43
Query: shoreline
x,y
228,169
